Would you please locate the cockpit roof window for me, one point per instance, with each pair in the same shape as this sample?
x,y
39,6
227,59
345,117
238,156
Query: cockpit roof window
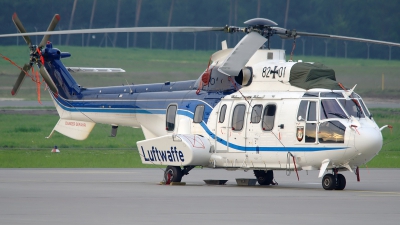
x,y
332,94
311,94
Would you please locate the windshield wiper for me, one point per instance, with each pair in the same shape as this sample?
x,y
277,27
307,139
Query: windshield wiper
x,y
339,115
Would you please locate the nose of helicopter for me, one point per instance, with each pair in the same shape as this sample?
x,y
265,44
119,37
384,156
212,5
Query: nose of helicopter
x,y
368,142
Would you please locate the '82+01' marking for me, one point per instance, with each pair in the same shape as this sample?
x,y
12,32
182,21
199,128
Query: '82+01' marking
x,y
275,71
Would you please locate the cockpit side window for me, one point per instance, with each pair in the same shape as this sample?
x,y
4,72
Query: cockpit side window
x,y
312,111
331,132
331,109
301,114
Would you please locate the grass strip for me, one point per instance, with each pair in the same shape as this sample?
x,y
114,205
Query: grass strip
x,y
23,145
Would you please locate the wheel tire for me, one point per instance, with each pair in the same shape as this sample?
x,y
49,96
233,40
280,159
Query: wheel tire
x,y
264,178
328,182
341,182
176,173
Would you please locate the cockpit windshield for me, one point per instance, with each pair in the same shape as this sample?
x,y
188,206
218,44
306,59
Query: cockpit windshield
x,y
364,108
336,105
352,107
330,108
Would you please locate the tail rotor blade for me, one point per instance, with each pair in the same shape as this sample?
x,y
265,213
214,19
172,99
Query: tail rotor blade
x,y
48,80
20,79
51,27
21,28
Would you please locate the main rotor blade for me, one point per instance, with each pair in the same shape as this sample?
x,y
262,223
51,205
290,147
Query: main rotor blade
x,y
51,27
48,80
121,30
345,38
241,54
21,29
21,77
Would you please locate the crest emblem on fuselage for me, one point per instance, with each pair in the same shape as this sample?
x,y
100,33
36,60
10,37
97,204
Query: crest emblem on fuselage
x,y
300,133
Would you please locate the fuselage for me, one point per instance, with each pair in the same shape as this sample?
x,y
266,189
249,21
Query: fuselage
x,y
259,126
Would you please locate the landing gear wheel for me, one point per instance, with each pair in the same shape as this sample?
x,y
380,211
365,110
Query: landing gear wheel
x,y
328,182
340,182
175,173
264,177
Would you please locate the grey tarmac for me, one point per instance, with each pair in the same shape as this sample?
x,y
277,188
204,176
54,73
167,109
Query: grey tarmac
x,y
134,196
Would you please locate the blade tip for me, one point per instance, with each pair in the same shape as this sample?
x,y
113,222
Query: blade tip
x,y
58,17
12,92
14,15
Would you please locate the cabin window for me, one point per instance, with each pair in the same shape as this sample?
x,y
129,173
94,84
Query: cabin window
x,y
256,114
331,132
301,114
222,114
268,117
238,117
170,117
331,109
198,114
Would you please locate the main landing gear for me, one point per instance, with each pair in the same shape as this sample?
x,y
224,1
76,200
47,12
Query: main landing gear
x,y
175,173
334,181
264,177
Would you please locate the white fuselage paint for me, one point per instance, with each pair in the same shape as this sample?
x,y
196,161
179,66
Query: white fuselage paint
x,y
252,147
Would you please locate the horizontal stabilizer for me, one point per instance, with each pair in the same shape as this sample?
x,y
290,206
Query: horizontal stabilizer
x,y
74,129
94,70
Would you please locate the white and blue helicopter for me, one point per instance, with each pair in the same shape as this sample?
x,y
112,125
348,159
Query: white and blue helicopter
x,y
251,109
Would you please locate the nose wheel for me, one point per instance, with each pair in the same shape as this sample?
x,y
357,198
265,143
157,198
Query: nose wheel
x,y
334,182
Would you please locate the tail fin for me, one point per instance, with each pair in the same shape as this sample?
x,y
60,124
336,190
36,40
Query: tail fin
x,y
67,86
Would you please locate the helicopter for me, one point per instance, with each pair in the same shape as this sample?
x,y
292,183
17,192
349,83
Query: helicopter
x,y
251,109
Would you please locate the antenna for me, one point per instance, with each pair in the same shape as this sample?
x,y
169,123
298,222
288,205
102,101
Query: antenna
x,y
128,86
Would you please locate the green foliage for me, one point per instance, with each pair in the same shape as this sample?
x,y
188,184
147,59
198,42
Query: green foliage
x,y
29,131
371,19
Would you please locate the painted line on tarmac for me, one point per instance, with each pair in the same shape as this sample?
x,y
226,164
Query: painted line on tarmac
x,y
87,172
378,193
